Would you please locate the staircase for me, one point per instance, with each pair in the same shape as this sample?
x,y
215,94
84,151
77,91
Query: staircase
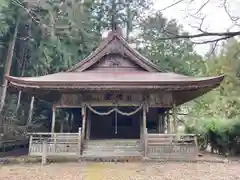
x,y
112,149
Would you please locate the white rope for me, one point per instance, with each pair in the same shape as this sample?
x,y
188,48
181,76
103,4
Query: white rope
x,y
100,113
116,110
131,113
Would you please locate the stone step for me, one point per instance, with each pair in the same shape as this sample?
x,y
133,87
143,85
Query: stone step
x,y
113,143
109,146
100,148
111,153
112,159
112,148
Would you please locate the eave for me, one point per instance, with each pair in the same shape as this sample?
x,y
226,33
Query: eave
x,y
91,85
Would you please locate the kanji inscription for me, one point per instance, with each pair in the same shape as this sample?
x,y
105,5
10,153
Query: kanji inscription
x,y
104,97
161,99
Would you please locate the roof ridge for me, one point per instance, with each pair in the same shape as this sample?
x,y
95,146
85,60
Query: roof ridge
x,y
143,61
101,46
138,54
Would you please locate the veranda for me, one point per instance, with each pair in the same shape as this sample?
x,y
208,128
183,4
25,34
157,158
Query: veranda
x,y
118,131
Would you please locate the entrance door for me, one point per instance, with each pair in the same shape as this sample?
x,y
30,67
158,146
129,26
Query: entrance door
x,y
115,126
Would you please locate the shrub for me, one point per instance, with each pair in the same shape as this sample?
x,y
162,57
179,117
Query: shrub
x,y
223,135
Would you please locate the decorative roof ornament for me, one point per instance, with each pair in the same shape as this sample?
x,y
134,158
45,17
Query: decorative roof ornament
x,y
117,31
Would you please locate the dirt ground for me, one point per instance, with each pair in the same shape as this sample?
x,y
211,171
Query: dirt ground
x,y
122,171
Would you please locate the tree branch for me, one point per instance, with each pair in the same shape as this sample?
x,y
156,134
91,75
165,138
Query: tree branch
x,y
234,19
214,37
171,5
218,36
213,40
202,6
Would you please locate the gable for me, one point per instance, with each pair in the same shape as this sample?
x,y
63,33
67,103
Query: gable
x,y
115,62
113,49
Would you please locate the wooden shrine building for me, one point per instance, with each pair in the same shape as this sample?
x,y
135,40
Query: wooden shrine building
x,y
122,95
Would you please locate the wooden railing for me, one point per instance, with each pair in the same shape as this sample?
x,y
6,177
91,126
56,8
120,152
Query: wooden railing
x,y
56,144
171,146
157,146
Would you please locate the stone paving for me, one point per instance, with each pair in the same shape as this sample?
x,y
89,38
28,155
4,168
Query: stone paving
x,y
122,171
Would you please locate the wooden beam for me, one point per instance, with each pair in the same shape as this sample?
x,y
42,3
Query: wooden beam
x,y
53,118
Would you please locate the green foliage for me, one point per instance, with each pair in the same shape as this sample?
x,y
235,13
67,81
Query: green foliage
x,y
223,101
223,134
176,55
216,114
4,26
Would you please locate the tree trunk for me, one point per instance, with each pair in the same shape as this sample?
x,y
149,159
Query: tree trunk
x,y
22,73
8,65
18,101
129,25
31,111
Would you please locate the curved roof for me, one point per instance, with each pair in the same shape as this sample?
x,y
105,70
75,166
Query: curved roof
x,y
68,80
114,65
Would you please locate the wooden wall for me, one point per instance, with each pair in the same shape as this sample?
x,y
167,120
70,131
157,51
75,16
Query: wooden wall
x,y
157,99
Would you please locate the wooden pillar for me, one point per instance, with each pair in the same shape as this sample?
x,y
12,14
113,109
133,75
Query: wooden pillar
x,y
168,122
159,124
83,123
53,119
88,124
145,130
79,152
144,120
141,129
165,123
174,118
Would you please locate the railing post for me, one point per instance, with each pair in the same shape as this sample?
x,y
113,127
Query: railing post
x,y
30,144
79,149
54,141
44,153
196,145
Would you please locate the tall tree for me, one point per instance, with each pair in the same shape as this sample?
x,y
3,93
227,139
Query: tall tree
x,y
175,55
224,101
